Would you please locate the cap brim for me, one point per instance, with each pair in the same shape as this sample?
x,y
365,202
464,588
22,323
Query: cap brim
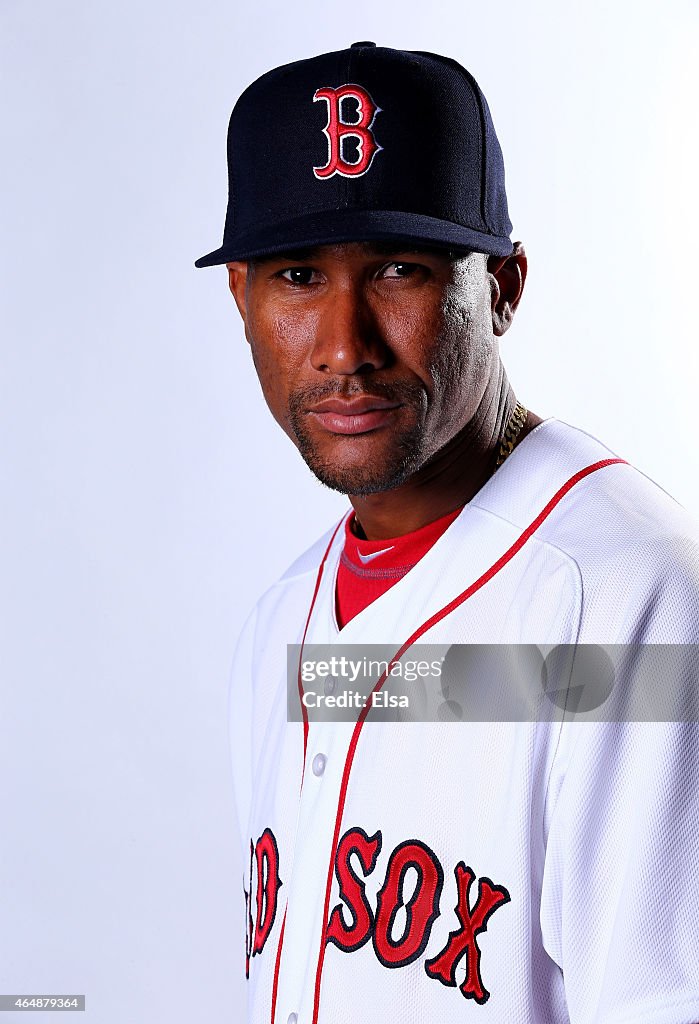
x,y
329,227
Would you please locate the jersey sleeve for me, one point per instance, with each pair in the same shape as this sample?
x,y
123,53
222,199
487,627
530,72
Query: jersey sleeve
x,y
620,900
620,891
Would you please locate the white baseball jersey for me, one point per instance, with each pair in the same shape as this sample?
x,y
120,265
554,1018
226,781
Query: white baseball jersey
x,y
480,872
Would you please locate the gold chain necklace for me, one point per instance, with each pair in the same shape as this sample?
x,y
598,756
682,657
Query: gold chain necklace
x,y
512,432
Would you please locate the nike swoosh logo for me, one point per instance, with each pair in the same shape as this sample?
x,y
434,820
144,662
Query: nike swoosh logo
x,y
374,554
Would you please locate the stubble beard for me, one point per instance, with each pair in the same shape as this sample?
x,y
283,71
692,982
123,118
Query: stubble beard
x,y
398,462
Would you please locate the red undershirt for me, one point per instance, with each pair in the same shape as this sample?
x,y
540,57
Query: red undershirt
x,y
368,568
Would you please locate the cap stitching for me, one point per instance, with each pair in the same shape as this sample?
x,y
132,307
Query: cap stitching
x,y
484,151
478,95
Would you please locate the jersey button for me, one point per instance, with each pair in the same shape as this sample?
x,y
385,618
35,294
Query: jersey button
x,y
292,1018
318,765
330,684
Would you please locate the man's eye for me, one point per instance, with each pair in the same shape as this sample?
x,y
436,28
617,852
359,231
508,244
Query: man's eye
x,y
399,269
299,275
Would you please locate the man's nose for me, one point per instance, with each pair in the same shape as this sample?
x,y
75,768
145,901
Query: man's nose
x,y
348,338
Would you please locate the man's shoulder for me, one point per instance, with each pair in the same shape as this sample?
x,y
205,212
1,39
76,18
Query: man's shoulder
x,y
280,605
309,560
577,490
606,501
632,546
294,588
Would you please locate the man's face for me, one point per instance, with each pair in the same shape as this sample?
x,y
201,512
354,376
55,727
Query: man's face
x,y
371,359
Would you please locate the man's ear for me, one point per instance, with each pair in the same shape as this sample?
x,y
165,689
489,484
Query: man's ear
x,y
507,277
237,280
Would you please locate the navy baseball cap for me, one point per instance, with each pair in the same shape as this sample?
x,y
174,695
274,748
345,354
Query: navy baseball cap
x,y
363,144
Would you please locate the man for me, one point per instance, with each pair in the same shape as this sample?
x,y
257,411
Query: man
x,y
492,868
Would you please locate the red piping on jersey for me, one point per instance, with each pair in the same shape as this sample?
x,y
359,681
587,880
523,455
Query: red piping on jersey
x,y
428,624
304,712
275,983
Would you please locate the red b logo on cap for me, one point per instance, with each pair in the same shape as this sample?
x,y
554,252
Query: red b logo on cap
x,y
338,130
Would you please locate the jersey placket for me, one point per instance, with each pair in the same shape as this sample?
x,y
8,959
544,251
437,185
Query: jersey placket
x,y
318,800
326,754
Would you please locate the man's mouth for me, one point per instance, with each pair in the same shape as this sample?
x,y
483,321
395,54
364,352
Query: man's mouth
x,y
354,415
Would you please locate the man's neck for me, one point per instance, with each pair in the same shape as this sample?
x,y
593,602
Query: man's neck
x,y
451,478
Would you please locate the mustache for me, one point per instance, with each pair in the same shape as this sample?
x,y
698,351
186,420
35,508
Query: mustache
x,y
403,392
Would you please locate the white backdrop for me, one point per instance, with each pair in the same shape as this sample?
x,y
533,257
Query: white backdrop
x,y
147,497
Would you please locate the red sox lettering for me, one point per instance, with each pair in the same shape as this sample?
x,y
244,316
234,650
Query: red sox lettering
x,y
421,909
353,922
266,856
462,941
337,130
352,890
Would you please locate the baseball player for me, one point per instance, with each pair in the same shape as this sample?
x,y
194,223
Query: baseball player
x,y
492,869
